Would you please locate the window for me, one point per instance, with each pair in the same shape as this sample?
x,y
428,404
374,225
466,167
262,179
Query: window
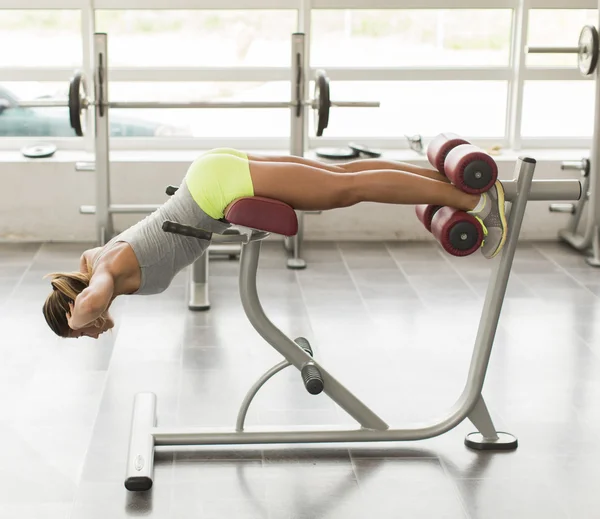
x,y
207,123
211,38
557,28
558,108
431,69
411,38
40,38
474,108
33,122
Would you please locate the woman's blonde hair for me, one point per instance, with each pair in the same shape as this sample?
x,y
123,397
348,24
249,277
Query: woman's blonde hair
x,y
66,286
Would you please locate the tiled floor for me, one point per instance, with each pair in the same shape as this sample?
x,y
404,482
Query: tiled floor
x,y
395,322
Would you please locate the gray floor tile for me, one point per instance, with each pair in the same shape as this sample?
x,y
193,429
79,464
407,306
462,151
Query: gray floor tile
x,y
511,497
100,500
394,322
411,487
49,510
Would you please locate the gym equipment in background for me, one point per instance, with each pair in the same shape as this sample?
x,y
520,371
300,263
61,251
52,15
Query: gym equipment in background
x,y
353,151
588,238
79,102
39,151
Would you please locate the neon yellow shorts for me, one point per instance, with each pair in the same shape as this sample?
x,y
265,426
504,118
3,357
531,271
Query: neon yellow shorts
x,y
217,178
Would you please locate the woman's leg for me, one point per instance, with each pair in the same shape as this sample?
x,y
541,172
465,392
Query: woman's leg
x,y
307,187
354,166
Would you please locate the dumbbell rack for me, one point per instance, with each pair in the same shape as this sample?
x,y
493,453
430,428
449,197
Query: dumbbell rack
x,y
588,239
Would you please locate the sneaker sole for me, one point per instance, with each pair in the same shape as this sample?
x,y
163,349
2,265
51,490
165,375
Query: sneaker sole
x,y
501,210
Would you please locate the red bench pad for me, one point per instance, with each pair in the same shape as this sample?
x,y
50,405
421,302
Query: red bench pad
x,y
263,214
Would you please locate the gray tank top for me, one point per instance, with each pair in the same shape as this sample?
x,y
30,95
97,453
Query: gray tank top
x,y
162,255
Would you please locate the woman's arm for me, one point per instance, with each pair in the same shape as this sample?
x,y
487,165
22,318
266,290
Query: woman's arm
x,y
85,262
92,302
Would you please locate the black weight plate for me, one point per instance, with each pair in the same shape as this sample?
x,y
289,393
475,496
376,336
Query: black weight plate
x,y
359,148
336,153
587,59
77,100
39,151
322,101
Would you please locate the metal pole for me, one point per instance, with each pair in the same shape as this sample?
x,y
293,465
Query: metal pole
x,y
546,190
199,300
594,201
517,81
140,457
104,222
200,104
498,282
239,424
552,50
288,348
297,130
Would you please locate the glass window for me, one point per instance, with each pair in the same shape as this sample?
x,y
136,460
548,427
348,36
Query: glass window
x,y
558,109
208,123
411,37
33,122
474,108
32,38
212,38
557,28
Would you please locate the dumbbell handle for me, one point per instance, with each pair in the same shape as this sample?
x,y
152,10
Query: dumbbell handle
x,y
553,50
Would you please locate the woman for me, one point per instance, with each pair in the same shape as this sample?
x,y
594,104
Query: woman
x,y
144,259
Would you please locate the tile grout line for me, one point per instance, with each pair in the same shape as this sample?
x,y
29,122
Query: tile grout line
x,y
79,481
401,269
22,277
454,483
357,288
564,270
460,275
368,312
339,411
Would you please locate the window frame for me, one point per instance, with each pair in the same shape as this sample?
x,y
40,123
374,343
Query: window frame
x,y
515,73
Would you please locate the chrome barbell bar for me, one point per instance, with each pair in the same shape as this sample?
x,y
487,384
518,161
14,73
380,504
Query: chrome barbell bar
x,y
553,50
197,104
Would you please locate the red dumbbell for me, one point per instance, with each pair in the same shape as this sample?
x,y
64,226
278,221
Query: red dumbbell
x,y
439,148
459,233
425,213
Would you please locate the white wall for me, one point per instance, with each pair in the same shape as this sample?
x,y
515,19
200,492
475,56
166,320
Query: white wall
x,y
39,201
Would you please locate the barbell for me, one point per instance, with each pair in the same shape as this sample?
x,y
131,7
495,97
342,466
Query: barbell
x,y
79,102
587,51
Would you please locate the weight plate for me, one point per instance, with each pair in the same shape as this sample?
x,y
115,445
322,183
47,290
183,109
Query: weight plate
x,y
359,148
587,58
40,151
336,153
78,103
322,102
